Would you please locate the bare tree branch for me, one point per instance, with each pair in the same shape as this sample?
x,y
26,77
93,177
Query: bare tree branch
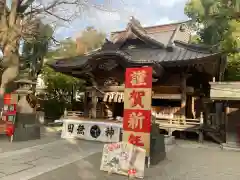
x,y
58,17
56,42
13,12
5,13
24,15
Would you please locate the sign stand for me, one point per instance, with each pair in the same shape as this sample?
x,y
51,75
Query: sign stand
x,y
11,138
137,108
140,140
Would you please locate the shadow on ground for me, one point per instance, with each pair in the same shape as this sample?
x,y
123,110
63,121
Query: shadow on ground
x,y
87,168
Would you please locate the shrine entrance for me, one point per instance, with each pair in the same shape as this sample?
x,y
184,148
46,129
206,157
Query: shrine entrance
x,y
118,110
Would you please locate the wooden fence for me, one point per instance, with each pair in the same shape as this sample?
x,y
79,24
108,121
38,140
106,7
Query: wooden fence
x,y
180,124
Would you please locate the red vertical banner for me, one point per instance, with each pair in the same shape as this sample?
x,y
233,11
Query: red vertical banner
x,y
9,112
137,107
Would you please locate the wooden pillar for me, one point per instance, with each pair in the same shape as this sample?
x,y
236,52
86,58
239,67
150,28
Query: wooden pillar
x,y
94,103
226,121
201,137
85,104
193,107
183,95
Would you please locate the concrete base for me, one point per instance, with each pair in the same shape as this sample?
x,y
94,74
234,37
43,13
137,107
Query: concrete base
x,y
27,127
29,132
157,149
157,146
169,140
231,146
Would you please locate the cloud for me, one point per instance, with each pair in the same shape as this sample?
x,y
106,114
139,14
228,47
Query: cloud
x,y
148,12
164,20
170,3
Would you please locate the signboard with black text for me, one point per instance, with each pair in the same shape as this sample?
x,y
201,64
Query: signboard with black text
x,y
91,130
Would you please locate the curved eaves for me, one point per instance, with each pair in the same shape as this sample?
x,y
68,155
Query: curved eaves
x,y
205,49
142,35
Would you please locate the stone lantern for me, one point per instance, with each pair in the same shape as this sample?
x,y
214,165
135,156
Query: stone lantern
x,y
26,126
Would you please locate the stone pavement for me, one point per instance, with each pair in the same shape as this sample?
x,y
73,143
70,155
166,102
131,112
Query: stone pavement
x,y
6,146
52,158
26,163
48,134
185,161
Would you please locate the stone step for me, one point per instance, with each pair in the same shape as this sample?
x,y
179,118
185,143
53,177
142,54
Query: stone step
x,y
230,146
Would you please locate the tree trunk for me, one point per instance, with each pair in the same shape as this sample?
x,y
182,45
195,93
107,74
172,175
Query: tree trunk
x,y
11,67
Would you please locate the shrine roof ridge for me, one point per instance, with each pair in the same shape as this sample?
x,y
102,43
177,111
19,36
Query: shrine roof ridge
x,y
155,26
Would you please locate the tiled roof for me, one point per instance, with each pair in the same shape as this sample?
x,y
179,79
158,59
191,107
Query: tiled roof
x,y
161,55
145,55
171,50
161,33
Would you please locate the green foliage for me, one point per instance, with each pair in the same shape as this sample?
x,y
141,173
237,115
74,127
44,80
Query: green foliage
x,y
60,86
60,90
217,23
65,49
233,68
195,39
33,52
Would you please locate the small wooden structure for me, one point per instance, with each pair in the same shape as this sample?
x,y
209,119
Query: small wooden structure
x,y
181,74
226,96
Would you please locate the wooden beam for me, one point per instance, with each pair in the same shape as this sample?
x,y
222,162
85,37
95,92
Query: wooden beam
x,y
167,96
121,88
158,69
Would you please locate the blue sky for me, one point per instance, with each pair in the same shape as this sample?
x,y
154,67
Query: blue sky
x,y
148,12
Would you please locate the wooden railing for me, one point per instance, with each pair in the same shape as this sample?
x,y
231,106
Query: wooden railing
x,y
179,123
72,114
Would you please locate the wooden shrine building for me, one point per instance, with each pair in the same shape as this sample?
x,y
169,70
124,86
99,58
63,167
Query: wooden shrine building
x,y
226,96
181,73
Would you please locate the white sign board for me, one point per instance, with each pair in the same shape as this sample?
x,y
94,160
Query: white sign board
x,y
121,157
90,130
